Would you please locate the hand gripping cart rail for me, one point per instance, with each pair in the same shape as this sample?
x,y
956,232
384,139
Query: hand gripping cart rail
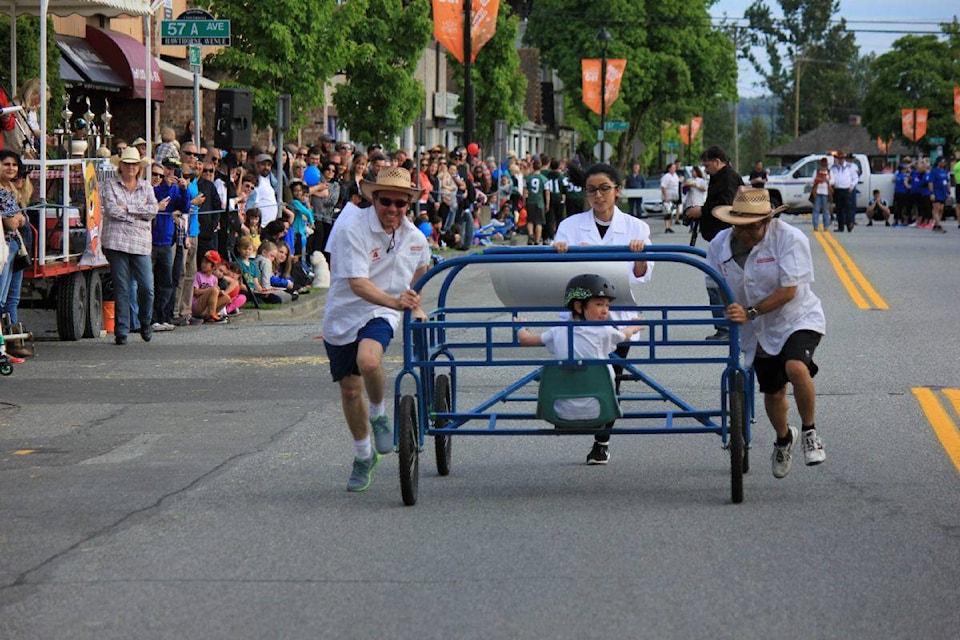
x,y
454,343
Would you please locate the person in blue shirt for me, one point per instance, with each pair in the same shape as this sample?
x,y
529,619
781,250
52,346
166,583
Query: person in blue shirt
x,y
939,181
902,204
920,192
172,202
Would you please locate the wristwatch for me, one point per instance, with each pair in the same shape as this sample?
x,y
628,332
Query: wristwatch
x,y
752,313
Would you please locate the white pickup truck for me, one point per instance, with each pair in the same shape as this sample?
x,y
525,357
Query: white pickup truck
x,y
792,187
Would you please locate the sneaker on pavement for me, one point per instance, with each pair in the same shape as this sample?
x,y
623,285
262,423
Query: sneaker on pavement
x,y
813,452
382,436
362,468
598,454
719,335
781,455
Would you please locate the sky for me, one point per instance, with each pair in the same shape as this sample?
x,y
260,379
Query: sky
x,y
876,23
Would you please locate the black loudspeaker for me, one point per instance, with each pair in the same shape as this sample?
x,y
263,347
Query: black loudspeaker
x,y
234,119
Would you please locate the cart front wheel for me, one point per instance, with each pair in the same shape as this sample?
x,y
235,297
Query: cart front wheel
x,y
442,443
5,368
409,442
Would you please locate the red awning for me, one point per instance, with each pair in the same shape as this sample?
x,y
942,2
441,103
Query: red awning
x,y
128,58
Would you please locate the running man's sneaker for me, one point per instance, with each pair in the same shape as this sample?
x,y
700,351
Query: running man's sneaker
x,y
360,478
813,452
781,455
382,436
598,454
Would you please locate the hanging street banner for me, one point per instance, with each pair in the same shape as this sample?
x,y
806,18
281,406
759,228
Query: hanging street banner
x,y
956,103
448,25
913,130
590,69
696,123
685,134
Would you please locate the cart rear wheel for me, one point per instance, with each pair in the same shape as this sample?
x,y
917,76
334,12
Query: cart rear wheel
x,y
94,322
409,442
6,369
443,443
737,429
72,306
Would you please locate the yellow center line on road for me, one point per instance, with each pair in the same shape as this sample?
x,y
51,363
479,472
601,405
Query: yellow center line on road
x,y
940,420
842,263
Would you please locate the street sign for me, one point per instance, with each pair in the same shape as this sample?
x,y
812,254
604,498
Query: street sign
x,y
194,50
202,32
670,144
936,140
616,125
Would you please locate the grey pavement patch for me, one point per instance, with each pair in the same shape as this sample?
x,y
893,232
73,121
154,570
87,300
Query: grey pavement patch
x,y
129,451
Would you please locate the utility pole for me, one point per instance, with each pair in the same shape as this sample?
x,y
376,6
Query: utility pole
x,y
468,116
736,104
603,37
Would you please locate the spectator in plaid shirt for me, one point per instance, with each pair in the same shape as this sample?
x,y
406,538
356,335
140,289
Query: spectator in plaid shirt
x,y
129,207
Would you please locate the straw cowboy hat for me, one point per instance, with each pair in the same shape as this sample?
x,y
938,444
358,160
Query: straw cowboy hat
x,y
390,179
750,205
130,156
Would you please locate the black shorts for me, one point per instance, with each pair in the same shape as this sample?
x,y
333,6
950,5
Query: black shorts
x,y
772,370
535,215
343,358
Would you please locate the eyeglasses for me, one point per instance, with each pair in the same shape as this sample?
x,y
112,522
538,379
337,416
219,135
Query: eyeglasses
x,y
157,175
188,153
387,202
604,189
301,155
208,171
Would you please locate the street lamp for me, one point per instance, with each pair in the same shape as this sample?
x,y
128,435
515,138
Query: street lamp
x,y
603,37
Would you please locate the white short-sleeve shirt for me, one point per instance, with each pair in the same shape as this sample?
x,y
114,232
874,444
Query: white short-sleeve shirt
x,y
364,250
782,259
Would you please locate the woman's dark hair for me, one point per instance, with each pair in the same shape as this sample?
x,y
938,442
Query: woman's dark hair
x,y
326,164
275,229
7,153
601,168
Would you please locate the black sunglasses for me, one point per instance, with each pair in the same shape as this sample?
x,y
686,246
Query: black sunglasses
x,y
188,153
386,202
157,175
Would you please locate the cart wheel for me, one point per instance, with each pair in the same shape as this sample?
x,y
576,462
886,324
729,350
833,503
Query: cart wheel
x,y
444,443
737,429
6,369
72,306
94,321
409,450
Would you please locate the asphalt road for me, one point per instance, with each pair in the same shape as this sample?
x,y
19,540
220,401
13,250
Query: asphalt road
x,y
194,487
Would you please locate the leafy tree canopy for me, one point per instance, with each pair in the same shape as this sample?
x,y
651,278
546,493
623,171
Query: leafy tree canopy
x,y
282,46
918,71
499,85
809,44
677,62
381,95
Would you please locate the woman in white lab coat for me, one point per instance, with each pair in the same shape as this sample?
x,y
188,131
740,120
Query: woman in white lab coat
x,y
606,225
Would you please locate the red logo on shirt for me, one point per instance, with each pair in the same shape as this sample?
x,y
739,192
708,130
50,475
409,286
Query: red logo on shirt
x,y
375,254
762,260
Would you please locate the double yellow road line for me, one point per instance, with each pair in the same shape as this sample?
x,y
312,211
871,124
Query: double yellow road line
x,y
943,425
861,291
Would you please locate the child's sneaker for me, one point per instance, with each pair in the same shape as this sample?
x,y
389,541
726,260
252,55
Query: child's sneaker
x,y
598,454
382,436
362,468
781,455
813,452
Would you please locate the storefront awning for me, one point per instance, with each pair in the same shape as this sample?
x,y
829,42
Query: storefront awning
x,y
69,73
128,58
85,60
176,78
81,7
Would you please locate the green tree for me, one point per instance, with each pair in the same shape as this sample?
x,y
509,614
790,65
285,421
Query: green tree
x,y
499,85
918,72
381,95
676,61
282,46
805,46
28,60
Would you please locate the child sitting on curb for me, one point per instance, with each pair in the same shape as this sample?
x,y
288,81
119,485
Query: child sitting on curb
x,y
207,296
229,276
265,256
251,273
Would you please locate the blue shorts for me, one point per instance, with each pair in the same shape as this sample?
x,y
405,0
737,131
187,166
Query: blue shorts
x,y
343,358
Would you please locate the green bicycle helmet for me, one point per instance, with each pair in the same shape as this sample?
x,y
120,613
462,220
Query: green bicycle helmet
x,y
586,286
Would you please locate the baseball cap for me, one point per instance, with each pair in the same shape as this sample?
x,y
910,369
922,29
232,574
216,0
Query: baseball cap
x,y
212,257
265,157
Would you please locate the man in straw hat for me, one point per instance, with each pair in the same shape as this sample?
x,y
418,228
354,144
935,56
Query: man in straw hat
x,y
376,256
768,266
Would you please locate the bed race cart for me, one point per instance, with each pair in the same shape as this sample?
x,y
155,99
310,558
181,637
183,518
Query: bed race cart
x,y
444,353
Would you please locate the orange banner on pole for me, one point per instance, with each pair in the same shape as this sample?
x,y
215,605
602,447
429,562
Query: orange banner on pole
x,y
914,123
685,134
921,128
956,103
448,25
590,76
695,124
